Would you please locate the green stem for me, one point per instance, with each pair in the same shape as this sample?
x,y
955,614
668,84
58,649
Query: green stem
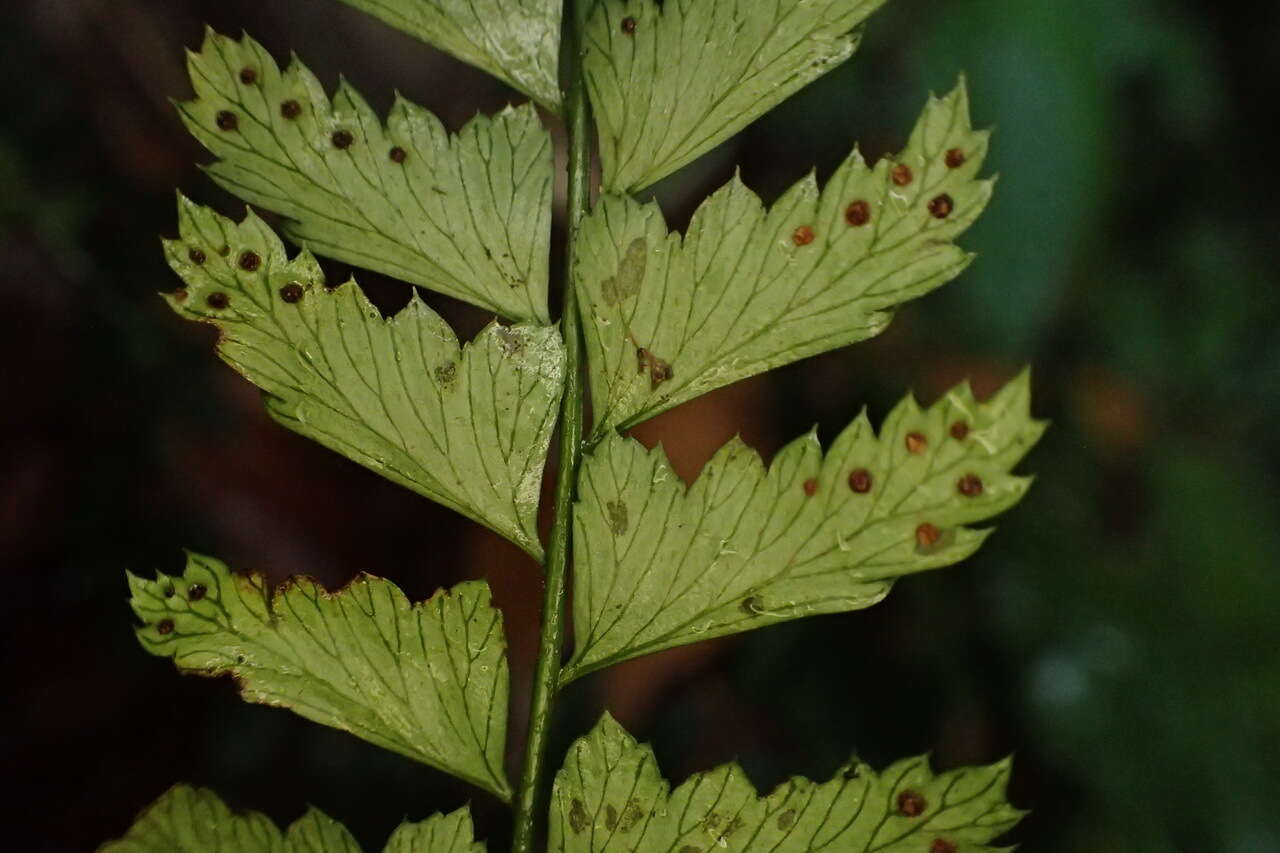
x,y
546,675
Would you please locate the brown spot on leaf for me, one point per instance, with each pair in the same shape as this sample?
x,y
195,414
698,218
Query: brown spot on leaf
x,y
941,206
629,25
911,803
249,260
217,300
617,517
802,236
226,120
446,373
630,275
810,487
860,481
291,109
659,372
642,359
901,174
342,139
916,442
942,845
960,430
165,626
787,819
291,292
578,819
970,485
196,592
398,154
510,341
248,76
927,535
195,255
631,816
858,213
610,817
955,158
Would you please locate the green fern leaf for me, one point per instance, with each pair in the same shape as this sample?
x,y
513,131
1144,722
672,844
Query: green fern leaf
x,y
466,426
425,680
194,820
749,289
467,215
610,796
745,546
517,41
670,81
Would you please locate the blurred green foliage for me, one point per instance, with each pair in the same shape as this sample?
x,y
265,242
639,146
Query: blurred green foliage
x,y
1120,632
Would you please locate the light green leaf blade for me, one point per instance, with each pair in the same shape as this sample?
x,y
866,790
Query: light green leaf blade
x,y
745,546
426,680
468,215
748,289
610,796
466,426
517,41
670,81
451,833
194,820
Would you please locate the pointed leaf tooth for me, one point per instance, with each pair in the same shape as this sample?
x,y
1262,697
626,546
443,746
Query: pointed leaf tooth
x,y
744,546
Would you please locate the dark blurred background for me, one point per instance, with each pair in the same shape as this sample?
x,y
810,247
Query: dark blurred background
x,y
1119,633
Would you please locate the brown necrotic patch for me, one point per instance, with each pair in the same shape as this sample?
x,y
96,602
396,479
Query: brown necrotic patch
x,y
342,139
901,174
292,292
941,206
249,260
226,120
217,300
858,213
626,282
